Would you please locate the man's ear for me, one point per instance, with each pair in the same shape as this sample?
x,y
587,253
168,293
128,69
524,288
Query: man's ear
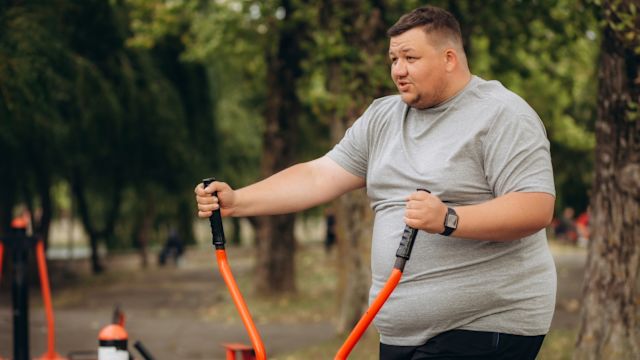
x,y
450,59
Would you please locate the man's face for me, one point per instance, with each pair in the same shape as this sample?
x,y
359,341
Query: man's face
x,y
418,69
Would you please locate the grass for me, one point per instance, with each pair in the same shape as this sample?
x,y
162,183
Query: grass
x,y
558,345
313,302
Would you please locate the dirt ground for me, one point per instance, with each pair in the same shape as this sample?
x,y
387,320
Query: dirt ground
x,y
169,308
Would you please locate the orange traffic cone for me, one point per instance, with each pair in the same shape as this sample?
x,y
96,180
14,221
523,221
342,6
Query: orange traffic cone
x,y
113,343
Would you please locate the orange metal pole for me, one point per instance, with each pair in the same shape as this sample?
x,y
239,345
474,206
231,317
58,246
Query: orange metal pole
x,y
368,316
46,298
225,270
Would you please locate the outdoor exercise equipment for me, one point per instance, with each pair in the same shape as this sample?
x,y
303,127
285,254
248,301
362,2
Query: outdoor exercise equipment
x,y
113,339
18,245
112,343
402,255
217,233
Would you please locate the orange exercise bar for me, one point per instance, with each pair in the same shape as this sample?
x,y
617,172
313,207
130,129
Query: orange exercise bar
x,y
402,255
217,234
225,270
46,298
368,316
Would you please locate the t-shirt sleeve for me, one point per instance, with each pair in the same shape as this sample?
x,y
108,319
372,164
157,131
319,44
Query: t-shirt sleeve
x,y
352,152
517,156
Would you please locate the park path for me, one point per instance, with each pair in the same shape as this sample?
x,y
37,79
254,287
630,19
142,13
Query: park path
x,y
165,308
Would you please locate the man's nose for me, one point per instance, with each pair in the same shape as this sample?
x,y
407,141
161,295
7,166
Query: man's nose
x,y
399,69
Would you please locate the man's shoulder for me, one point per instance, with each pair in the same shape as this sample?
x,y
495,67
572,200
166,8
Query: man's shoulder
x,y
385,107
499,96
507,106
382,113
389,101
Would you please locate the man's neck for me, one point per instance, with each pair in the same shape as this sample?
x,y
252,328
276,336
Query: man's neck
x,y
458,82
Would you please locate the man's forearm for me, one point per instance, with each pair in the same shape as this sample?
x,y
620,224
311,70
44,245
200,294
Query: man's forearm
x,y
509,217
296,188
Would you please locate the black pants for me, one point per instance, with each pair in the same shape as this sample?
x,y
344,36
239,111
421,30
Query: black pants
x,y
465,344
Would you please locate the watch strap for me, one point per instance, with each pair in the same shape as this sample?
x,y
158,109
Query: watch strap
x,y
447,229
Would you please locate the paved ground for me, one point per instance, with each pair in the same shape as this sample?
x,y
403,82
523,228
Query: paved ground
x,y
166,309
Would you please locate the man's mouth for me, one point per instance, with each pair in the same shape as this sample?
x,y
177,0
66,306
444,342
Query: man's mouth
x,y
403,85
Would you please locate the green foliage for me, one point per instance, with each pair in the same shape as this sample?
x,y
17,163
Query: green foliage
x,y
91,111
545,51
126,92
231,41
622,17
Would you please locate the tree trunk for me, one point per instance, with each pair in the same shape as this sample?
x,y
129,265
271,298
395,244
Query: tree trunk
x,y
353,225
185,220
275,240
236,238
144,229
78,188
609,326
43,184
7,201
275,262
362,27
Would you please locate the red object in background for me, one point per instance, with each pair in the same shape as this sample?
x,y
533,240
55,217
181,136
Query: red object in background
x,y
246,351
113,332
19,223
583,219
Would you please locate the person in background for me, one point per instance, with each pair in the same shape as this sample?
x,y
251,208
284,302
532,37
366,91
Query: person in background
x,y
566,228
330,236
582,227
173,248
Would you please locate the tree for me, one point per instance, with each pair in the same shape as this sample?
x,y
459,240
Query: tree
x,y
282,113
81,106
31,121
610,323
350,57
262,44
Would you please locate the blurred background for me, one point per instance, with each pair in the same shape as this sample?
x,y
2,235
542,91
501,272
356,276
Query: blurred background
x,y
112,111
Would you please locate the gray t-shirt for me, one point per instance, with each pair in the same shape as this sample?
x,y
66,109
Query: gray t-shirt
x,y
482,143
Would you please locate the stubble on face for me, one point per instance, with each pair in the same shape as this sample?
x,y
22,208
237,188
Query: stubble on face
x,y
418,74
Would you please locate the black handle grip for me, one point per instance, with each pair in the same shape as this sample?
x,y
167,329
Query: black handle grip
x,y
406,244
143,351
217,232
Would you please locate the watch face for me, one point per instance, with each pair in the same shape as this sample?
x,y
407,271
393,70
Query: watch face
x,y
452,221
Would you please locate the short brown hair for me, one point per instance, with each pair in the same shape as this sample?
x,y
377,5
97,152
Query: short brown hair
x,y
431,19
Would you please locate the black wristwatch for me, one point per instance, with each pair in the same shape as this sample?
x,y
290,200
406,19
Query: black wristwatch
x,y
450,222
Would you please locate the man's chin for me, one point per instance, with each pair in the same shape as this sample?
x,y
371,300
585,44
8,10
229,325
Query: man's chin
x,y
409,99
413,101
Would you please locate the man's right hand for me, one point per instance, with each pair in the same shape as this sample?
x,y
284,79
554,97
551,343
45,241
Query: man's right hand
x,y
207,203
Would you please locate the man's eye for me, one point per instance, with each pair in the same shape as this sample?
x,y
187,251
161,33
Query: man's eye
x,y
411,58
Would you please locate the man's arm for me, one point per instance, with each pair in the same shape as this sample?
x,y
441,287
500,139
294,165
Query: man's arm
x,y
508,217
296,188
